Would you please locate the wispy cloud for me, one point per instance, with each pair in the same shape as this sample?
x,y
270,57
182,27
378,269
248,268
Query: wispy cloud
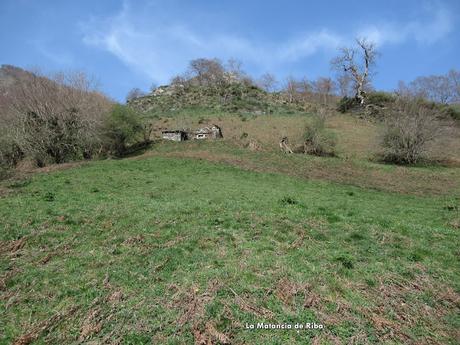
x,y
162,49
428,31
61,59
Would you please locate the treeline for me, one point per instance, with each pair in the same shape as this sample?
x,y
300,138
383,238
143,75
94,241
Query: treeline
x,y
352,82
61,118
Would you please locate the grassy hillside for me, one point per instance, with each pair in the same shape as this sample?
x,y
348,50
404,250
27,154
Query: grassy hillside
x,y
357,138
176,251
236,98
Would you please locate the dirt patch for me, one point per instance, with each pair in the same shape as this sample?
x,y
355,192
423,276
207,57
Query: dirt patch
x,y
286,290
399,306
193,305
116,297
135,240
209,335
250,307
12,247
92,324
45,326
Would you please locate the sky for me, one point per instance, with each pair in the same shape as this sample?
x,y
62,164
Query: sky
x,y
135,43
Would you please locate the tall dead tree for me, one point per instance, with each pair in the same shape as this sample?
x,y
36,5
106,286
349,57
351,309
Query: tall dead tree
x,y
357,62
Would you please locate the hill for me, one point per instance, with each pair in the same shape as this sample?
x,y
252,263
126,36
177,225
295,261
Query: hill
x,y
230,98
201,241
174,250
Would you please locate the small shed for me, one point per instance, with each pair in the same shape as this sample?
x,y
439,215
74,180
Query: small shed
x,y
213,132
174,135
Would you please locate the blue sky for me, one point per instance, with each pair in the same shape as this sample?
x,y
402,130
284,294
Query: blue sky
x,y
126,44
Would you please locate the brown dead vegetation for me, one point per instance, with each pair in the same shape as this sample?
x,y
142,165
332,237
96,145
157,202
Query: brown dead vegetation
x,y
209,335
395,313
248,306
37,330
11,247
92,324
192,306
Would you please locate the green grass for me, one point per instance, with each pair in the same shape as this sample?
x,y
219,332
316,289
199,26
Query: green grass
x,y
198,249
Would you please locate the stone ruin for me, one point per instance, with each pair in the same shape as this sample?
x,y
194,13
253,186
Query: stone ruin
x,y
211,132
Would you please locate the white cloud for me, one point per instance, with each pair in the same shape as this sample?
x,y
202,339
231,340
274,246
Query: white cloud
x,y
62,59
424,32
160,48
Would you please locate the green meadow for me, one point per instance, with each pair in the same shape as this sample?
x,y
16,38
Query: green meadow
x,y
174,250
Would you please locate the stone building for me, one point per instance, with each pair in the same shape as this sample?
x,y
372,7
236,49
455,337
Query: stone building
x,y
213,132
174,135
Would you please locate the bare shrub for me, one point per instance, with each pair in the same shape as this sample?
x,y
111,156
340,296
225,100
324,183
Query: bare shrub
x,y
136,93
317,140
410,129
267,82
57,119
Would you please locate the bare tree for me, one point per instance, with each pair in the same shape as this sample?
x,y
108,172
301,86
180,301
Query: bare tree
x,y
443,89
435,88
56,119
234,69
267,82
344,82
182,79
291,89
207,72
305,88
454,80
134,93
357,62
324,87
153,87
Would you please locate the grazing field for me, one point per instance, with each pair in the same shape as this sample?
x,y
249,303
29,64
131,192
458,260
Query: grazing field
x,y
166,249
356,138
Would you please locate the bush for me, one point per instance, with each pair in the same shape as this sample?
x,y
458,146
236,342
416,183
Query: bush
x,y
53,120
317,141
347,103
122,127
409,130
10,153
452,111
380,98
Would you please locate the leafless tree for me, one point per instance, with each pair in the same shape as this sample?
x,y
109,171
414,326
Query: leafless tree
x,y
454,80
357,62
182,79
153,87
234,69
435,88
134,93
207,72
56,119
443,89
305,88
291,89
324,87
267,82
344,83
